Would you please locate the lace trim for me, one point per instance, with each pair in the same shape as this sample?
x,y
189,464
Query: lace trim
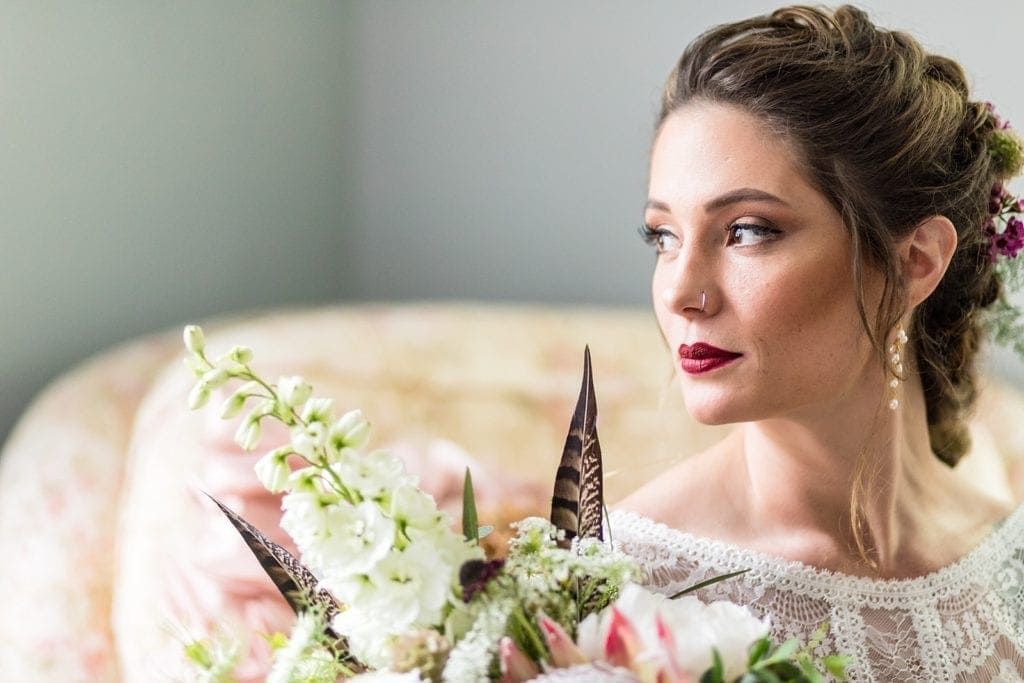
x,y
632,529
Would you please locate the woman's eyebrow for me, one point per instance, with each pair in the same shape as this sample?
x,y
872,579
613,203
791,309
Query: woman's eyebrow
x,y
743,194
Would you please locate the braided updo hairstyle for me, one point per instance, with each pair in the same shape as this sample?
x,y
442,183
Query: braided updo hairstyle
x,y
888,134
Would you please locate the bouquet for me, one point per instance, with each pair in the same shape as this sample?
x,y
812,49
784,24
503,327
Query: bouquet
x,y
385,588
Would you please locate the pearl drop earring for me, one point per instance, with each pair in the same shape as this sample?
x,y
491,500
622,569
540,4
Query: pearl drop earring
x,y
896,365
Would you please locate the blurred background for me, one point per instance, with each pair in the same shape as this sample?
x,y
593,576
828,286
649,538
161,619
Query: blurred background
x,y
166,162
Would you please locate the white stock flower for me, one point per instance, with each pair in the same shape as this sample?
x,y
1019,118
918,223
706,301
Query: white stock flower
x,y
337,540
194,340
414,509
351,430
411,586
369,636
273,471
405,590
308,439
372,474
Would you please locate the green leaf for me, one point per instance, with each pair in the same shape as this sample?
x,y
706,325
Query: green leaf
x,y
836,665
809,670
782,653
710,582
198,653
758,650
470,524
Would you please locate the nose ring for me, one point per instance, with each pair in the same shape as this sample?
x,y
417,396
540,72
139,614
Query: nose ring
x,y
703,300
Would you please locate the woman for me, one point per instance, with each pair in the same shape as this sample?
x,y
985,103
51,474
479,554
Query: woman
x,y
819,191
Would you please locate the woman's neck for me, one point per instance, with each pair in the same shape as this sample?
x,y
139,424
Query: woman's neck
x,y
803,471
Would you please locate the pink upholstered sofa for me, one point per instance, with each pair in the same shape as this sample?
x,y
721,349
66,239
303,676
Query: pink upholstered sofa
x,y
111,558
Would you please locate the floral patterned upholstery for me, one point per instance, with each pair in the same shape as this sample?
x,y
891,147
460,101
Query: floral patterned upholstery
x,y
113,557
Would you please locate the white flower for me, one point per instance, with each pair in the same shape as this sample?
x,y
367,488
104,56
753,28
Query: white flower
x,y
318,410
194,340
414,509
352,430
273,471
369,636
405,590
410,587
293,390
373,474
337,540
470,659
697,629
308,439
288,658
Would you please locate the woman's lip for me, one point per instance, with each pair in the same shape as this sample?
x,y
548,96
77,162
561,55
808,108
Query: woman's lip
x,y
701,351
699,358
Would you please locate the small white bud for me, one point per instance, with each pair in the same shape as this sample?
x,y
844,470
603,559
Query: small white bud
x,y
194,340
248,434
198,397
273,471
293,390
351,431
240,354
215,378
233,405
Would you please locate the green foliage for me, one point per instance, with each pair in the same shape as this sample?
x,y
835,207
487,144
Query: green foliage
x,y
787,663
470,528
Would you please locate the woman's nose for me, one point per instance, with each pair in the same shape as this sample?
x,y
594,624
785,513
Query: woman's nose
x,y
686,288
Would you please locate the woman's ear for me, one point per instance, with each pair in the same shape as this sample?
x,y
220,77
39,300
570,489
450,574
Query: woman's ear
x,y
924,255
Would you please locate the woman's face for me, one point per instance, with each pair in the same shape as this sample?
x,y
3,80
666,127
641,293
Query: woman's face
x,y
732,217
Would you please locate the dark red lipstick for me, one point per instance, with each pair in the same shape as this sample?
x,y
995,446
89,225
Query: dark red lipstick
x,y
699,358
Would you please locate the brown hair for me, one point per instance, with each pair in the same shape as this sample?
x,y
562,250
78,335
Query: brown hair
x,y
888,134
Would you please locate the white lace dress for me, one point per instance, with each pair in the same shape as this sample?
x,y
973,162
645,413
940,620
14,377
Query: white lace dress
x,y
964,622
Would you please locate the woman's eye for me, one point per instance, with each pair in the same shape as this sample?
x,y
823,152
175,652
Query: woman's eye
x,y
661,238
746,234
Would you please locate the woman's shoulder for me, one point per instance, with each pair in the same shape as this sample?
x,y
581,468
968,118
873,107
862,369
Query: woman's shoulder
x,y
692,494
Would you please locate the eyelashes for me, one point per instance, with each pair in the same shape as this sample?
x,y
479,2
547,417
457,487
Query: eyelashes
x,y
655,237
737,234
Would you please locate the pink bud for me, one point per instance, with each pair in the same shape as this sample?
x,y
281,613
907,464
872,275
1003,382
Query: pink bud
x,y
621,644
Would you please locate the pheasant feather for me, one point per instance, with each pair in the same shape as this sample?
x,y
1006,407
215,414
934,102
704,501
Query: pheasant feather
x,y
578,501
297,584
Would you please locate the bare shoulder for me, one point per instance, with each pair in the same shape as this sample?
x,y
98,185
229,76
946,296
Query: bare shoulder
x,y
688,491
